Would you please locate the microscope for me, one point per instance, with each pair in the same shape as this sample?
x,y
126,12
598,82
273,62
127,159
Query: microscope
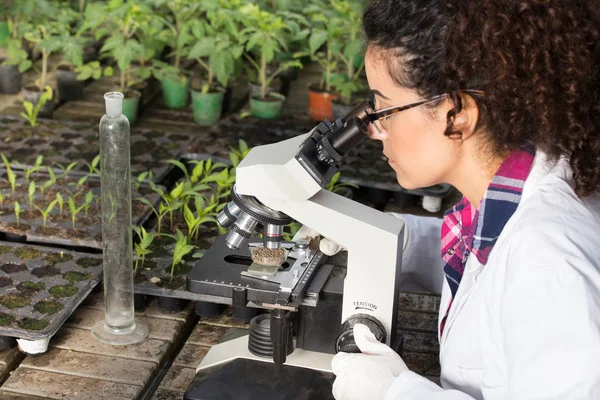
x,y
312,304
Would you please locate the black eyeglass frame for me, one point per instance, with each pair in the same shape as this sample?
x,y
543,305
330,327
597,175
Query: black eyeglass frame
x,y
390,111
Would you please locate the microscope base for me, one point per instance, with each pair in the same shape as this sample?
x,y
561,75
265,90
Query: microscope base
x,y
230,371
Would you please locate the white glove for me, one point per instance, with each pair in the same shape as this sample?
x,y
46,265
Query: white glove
x,y
328,246
367,375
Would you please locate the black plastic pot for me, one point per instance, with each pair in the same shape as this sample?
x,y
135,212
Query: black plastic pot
x,y
140,301
245,314
227,98
378,197
10,79
32,94
171,304
340,110
207,310
7,342
69,88
405,200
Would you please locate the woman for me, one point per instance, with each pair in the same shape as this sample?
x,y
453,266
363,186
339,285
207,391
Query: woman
x,y
504,105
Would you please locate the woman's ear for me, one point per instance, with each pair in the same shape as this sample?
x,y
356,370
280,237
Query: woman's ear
x,y
465,121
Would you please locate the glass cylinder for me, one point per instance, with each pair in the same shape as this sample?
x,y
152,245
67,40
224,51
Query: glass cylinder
x,y
119,326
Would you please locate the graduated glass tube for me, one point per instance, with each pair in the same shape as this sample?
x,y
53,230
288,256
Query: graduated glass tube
x,y
119,326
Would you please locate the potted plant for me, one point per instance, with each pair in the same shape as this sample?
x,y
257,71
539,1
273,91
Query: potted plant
x,y
119,21
48,29
264,35
349,54
174,79
216,52
325,40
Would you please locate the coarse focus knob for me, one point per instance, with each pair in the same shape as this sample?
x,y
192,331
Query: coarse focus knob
x,y
345,341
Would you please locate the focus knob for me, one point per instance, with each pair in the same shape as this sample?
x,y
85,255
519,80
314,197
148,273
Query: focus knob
x,y
345,341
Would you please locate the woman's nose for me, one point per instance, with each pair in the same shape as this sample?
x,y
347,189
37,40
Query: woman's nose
x,y
375,134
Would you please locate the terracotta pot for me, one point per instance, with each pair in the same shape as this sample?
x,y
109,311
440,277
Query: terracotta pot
x,y
319,104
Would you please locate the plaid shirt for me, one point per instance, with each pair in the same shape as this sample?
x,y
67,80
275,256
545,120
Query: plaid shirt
x,y
468,230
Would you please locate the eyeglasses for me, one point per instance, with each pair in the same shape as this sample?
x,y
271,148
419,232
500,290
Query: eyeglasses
x,y
380,118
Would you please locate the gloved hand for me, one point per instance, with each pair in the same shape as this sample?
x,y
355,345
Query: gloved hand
x,y
328,246
367,375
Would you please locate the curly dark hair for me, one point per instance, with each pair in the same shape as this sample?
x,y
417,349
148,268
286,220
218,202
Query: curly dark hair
x,y
537,61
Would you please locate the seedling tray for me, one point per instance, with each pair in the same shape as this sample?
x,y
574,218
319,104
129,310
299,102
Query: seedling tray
x,y
154,277
365,166
59,229
40,287
63,142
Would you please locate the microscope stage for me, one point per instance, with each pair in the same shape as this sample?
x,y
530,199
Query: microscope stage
x,y
229,276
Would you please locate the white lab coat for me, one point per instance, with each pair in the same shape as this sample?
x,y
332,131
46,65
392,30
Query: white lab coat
x,y
527,324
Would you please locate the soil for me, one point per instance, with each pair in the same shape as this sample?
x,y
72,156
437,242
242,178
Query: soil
x,y
11,268
77,234
137,208
46,270
48,231
60,218
5,281
13,300
29,288
158,247
54,258
89,220
61,145
6,319
29,215
35,142
60,291
22,228
87,262
48,307
173,284
32,324
140,278
154,134
74,276
27,253
180,269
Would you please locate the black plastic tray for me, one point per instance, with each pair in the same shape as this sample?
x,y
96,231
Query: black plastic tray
x,y
60,232
63,142
27,267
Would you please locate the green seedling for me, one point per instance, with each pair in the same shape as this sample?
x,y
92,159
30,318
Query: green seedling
x,y
171,201
52,175
293,228
12,178
61,203
35,168
141,248
203,168
203,215
74,210
236,155
1,201
67,169
182,248
45,186
32,112
143,177
89,198
93,166
335,186
17,212
31,193
181,166
47,211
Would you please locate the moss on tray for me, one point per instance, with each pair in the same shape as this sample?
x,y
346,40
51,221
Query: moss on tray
x,y
27,253
60,291
6,319
73,276
87,262
12,300
48,306
54,258
32,324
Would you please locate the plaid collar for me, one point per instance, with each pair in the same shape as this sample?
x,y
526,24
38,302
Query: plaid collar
x,y
467,230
